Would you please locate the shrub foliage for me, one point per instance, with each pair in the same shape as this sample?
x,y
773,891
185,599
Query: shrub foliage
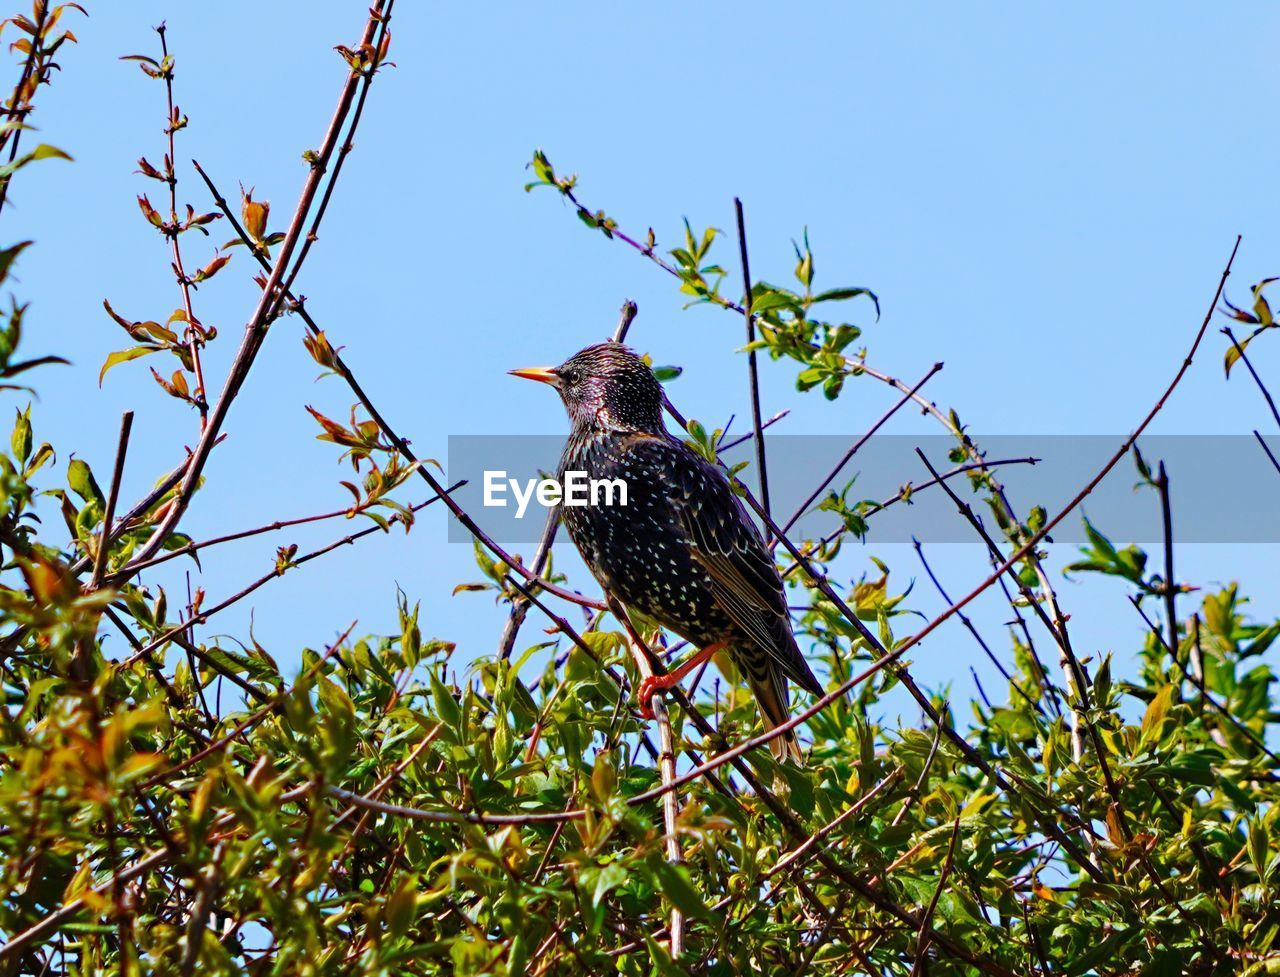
x,y
398,805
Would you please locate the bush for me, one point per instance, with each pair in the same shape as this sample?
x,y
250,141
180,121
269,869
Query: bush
x,y
375,813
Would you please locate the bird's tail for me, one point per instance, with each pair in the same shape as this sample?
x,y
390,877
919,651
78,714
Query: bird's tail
x,y
770,691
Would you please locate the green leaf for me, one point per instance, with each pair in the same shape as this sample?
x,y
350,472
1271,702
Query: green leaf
x,y
402,907
841,294
21,437
43,455
772,299
1260,307
676,886
1156,712
809,378
1095,952
1102,683
7,256
1236,349
1259,847
80,479
42,151
447,708
606,880
1264,639
124,356
233,661
45,151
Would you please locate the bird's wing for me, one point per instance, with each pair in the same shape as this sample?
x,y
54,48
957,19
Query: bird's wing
x,y
725,542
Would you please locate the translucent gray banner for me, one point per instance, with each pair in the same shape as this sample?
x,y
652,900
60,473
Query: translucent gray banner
x,y
1223,487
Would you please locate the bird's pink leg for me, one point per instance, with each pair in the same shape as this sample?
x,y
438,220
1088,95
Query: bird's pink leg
x,y
655,683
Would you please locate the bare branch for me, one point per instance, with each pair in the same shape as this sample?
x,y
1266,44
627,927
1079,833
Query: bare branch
x,y
113,495
757,428
1271,402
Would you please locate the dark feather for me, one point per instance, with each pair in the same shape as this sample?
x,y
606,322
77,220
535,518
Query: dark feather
x,y
683,550
725,542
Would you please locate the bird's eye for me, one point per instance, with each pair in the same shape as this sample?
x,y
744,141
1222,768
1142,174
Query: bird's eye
x,y
569,376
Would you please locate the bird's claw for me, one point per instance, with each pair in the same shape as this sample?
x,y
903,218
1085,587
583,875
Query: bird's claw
x,y
644,698
650,685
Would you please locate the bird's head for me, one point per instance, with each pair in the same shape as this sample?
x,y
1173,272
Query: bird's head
x,y
606,387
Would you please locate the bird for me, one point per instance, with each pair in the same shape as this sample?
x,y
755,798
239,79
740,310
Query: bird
x,y
682,551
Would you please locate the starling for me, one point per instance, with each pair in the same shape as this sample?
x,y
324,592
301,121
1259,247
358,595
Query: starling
x,y
682,551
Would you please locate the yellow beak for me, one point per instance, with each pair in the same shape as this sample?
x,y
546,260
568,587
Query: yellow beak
x,y
543,374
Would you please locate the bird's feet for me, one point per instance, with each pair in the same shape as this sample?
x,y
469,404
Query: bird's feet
x,y
660,683
652,684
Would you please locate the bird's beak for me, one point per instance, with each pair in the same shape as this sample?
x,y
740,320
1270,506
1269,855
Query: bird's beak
x,y
543,374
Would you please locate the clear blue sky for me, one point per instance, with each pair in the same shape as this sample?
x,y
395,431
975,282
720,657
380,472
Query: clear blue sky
x,y
1042,197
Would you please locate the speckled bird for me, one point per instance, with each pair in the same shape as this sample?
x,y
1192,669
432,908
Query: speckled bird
x,y
682,551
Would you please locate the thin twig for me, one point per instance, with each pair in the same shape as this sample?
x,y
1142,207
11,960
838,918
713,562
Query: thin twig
x,y
626,316
192,330
20,102
113,495
914,793
1073,672
972,629
1275,463
197,546
1170,589
206,891
644,660
744,438
1271,402
820,939
752,373
453,816
797,855
520,606
376,45
384,783
164,486
670,812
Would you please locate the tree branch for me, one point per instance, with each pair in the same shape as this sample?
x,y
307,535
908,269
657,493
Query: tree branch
x,y
752,373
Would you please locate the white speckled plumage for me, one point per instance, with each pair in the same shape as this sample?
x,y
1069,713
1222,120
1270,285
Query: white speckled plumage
x,y
683,551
